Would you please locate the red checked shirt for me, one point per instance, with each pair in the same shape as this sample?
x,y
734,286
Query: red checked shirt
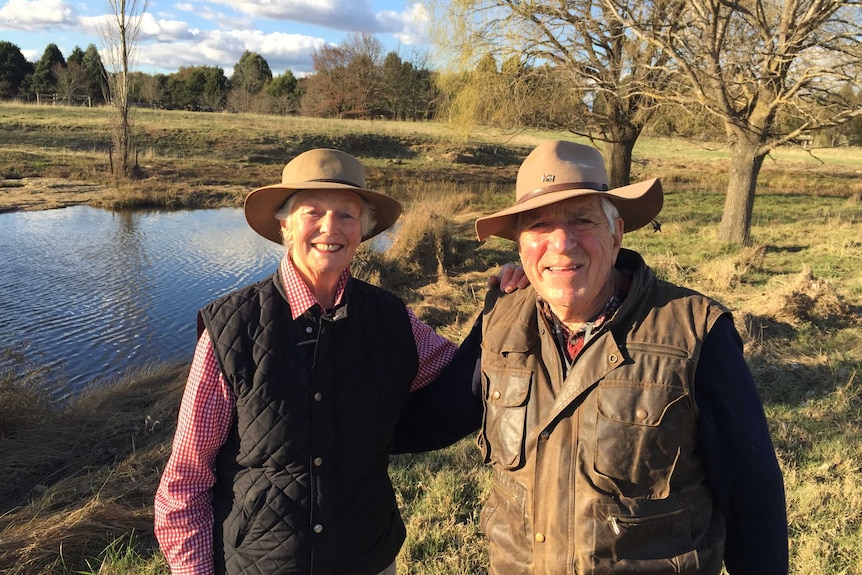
x,y
183,505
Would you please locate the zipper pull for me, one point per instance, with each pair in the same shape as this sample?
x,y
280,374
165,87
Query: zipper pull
x,y
615,526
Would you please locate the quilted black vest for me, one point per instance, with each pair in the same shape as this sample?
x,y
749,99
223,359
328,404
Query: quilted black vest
x,y
302,481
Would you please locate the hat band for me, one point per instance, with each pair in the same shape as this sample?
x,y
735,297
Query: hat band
x,y
334,181
560,187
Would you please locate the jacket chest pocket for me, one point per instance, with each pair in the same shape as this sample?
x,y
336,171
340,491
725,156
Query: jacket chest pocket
x,y
506,392
639,433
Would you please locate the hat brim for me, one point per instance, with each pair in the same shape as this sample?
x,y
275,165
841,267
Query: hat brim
x,y
261,204
638,204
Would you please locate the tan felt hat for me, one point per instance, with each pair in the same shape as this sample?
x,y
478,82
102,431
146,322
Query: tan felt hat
x,y
319,169
558,170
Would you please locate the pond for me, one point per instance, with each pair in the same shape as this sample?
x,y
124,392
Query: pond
x,y
91,294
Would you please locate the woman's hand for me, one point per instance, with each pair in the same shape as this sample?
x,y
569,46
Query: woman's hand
x,y
510,278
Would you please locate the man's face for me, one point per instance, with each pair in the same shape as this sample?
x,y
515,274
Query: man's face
x,y
568,252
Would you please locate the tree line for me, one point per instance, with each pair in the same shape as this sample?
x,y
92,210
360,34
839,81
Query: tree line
x,y
351,80
757,74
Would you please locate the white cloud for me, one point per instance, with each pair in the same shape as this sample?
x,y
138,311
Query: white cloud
x,y
224,21
151,29
165,30
224,48
354,15
35,15
410,27
178,36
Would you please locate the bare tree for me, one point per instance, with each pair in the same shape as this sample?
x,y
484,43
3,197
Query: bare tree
x,y
364,70
347,78
150,87
119,33
327,91
71,80
770,70
608,76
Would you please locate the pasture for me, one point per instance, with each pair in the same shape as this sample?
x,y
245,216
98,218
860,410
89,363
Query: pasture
x,y
76,481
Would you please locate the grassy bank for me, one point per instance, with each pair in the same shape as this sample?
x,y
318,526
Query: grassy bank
x,y
76,481
188,159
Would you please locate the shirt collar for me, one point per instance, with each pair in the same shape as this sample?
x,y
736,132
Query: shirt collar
x,y
569,335
299,296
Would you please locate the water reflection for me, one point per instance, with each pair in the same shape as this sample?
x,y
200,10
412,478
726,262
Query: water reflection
x,y
91,293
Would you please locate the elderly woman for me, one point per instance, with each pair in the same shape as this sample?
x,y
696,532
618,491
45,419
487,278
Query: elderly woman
x,y
279,462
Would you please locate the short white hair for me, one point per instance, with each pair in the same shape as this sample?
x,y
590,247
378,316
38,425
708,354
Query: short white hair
x,y
367,219
611,212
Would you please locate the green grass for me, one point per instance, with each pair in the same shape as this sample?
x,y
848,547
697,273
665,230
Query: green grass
x,y
85,474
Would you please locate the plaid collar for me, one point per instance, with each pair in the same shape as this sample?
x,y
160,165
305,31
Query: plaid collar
x,y
299,296
572,339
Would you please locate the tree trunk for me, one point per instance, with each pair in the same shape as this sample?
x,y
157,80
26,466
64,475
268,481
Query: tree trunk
x,y
619,159
618,155
745,163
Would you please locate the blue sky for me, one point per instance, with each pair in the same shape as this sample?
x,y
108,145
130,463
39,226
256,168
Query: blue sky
x,y
177,33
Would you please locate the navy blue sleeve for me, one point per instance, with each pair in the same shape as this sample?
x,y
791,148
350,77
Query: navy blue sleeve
x,y
448,408
742,469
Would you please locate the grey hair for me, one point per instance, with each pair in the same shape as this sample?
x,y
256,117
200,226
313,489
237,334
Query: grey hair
x,y
367,219
611,212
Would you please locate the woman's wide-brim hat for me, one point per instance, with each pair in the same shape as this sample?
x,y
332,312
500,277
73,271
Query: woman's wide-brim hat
x,y
319,169
558,170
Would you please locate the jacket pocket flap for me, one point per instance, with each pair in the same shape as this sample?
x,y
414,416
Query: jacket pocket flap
x,y
508,387
506,340
637,405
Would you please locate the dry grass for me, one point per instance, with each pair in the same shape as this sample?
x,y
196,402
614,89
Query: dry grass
x,y
84,474
78,482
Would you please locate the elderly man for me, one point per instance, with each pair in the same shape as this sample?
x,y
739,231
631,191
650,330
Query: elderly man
x,y
622,424
279,462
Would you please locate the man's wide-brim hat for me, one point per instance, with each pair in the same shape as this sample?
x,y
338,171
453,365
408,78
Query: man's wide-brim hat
x,y
558,170
320,169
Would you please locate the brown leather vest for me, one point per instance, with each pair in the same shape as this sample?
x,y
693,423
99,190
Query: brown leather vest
x,y
601,476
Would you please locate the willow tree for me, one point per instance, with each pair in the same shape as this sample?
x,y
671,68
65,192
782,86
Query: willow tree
x,y
769,70
119,34
595,78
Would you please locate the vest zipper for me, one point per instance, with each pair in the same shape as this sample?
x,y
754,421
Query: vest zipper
x,y
616,521
259,501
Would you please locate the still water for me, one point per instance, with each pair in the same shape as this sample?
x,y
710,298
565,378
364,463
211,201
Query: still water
x,y
91,293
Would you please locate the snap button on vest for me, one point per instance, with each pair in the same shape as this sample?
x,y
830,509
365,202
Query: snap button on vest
x,y
496,395
318,528
318,396
309,329
318,461
613,358
540,538
641,413
545,435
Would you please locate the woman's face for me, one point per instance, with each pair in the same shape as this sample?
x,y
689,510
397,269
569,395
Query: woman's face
x,y
323,231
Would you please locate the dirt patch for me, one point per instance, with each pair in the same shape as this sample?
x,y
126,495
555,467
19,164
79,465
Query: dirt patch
x,y
807,298
46,193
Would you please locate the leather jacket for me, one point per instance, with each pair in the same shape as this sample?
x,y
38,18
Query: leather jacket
x,y
596,471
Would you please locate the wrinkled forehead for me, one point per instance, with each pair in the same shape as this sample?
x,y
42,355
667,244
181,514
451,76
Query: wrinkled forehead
x,y
588,204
